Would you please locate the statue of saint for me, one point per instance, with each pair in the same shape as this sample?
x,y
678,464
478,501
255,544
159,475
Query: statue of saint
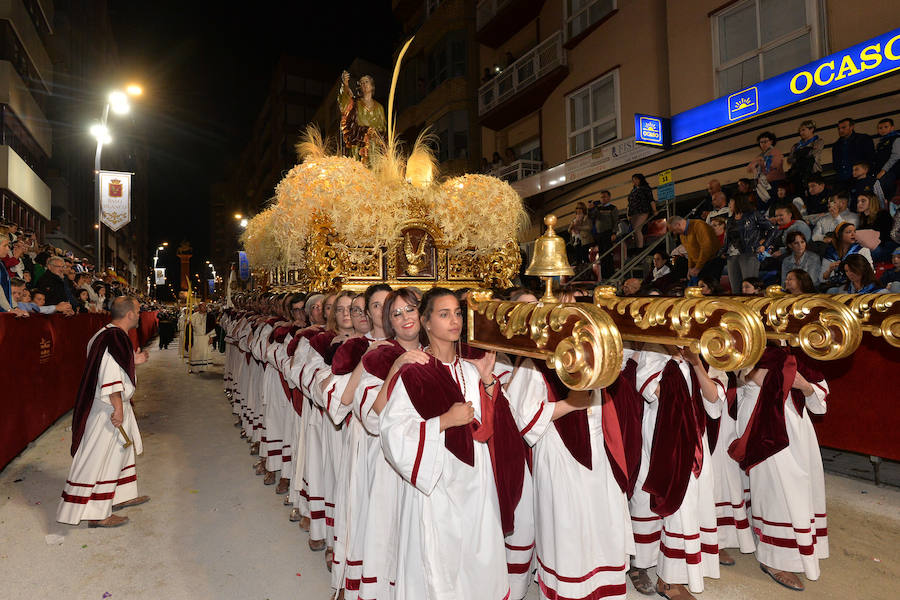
x,y
362,117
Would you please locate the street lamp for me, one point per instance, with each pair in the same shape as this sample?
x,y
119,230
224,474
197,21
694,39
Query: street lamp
x,y
159,249
118,101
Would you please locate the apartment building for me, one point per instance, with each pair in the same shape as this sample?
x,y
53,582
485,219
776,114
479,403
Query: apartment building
x,y
569,76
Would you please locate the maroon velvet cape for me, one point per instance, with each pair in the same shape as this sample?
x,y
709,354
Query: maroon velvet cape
x,y
573,428
321,343
629,406
119,345
677,441
306,333
433,391
348,355
379,361
766,432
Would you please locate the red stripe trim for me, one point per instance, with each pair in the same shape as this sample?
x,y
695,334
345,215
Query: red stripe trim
x,y
730,521
109,384
604,591
517,568
533,421
647,538
128,479
317,514
419,452
786,543
651,378
708,530
600,569
788,525
274,452
739,505
329,505
681,536
710,548
692,558
329,522
646,519
364,396
369,579
330,391
87,485
354,563
85,499
351,585
520,548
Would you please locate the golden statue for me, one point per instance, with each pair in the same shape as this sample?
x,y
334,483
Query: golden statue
x,y
362,117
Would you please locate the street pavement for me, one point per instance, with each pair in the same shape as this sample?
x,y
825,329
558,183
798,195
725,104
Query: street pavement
x,y
213,531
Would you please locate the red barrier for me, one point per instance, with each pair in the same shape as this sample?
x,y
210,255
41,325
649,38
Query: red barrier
x,y
146,330
43,357
863,415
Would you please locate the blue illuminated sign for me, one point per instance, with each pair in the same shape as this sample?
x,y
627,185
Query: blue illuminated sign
x,y
243,266
651,130
862,62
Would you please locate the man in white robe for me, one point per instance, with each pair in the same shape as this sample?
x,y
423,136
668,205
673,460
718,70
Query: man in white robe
x,y
102,478
201,344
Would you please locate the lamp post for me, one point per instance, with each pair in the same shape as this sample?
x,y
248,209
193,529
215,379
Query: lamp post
x,y
118,101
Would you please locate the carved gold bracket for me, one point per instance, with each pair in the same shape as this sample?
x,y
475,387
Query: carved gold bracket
x,y
579,341
879,314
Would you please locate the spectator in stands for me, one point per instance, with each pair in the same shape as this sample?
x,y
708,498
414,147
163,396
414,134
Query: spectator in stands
x,y
862,183
849,149
787,220
753,286
631,286
580,237
102,303
837,214
485,165
660,266
710,286
860,275
712,186
604,216
747,187
891,277
798,256
843,245
702,246
798,281
887,160
769,165
720,207
805,157
53,284
509,157
496,161
13,262
83,282
816,198
30,305
641,206
746,231
874,228
82,302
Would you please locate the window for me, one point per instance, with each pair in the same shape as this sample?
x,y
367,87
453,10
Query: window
x,y
447,59
581,14
452,132
530,150
592,114
759,39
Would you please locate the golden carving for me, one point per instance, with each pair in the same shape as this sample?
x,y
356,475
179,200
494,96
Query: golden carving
x,y
500,268
588,354
879,314
728,335
415,259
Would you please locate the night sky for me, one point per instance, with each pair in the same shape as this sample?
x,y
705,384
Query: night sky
x,y
206,71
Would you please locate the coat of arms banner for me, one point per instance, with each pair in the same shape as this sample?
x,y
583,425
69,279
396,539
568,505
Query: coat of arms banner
x,y
115,199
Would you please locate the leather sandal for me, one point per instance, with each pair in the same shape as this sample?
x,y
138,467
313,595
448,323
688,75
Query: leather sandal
x,y
673,591
254,449
110,521
641,581
316,545
243,434
132,502
287,501
304,524
329,558
295,515
260,467
784,578
725,558
283,485
270,478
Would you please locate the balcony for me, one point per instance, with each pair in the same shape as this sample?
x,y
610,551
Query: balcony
x,y
522,87
498,20
518,170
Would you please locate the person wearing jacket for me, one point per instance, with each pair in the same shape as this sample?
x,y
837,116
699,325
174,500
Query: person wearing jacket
x,y
746,231
850,148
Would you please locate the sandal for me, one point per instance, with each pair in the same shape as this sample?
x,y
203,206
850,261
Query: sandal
x,y
641,581
110,521
784,578
132,502
725,559
673,591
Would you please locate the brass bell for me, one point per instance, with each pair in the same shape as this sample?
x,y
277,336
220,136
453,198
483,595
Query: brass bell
x,y
549,259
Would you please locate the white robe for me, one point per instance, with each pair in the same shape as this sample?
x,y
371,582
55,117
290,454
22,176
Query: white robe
x,y
201,353
103,471
450,537
788,489
582,546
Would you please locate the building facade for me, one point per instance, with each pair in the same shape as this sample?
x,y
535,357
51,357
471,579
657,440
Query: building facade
x,y
569,76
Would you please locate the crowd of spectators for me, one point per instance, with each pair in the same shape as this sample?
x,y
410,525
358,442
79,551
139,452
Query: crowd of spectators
x,y
788,222
39,278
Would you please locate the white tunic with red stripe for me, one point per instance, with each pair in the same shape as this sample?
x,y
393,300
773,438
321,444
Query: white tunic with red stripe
x,y
788,489
688,543
299,493
582,532
450,541
103,471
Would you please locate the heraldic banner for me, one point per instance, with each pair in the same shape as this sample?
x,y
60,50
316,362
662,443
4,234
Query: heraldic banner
x,y
115,199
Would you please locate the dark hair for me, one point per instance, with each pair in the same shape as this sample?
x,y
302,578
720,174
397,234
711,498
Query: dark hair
x,y
743,204
662,253
806,283
374,289
426,306
847,120
841,194
791,208
714,286
295,298
35,292
862,163
516,293
887,120
768,135
406,294
121,306
815,178
642,181
756,282
859,264
783,185
789,239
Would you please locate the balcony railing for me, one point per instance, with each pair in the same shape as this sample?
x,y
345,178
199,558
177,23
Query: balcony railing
x,y
538,62
486,11
518,170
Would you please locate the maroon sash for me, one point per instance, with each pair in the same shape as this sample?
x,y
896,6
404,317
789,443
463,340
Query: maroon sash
x,y
629,407
573,428
321,343
349,354
379,361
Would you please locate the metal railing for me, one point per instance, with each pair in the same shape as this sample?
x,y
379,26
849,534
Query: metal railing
x,y
517,170
536,63
487,10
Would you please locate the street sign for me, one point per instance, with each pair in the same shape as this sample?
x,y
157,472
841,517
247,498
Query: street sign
x,y
666,189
